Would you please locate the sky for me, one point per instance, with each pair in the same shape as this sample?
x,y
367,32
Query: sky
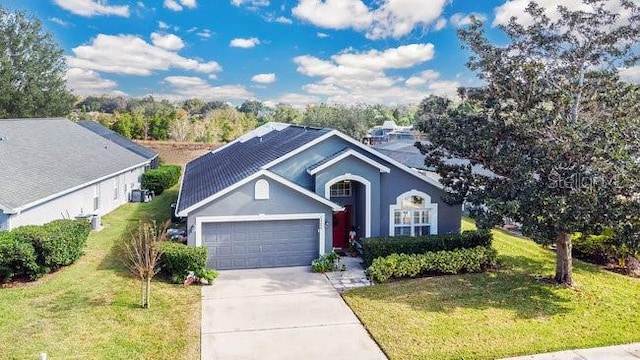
x,y
294,51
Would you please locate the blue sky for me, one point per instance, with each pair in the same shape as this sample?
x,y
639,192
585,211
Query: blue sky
x,y
295,51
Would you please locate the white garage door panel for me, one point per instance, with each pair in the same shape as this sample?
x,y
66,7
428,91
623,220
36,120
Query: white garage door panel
x,y
258,244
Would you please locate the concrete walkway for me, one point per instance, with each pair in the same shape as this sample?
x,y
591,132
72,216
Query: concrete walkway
x,y
619,352
284,313
350,278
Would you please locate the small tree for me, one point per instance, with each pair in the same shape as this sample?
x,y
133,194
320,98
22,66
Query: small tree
x,y
142,252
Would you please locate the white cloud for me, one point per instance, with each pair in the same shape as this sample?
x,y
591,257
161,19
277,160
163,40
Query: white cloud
x,y
187,87
264,78
168,41
440,24
131,55
140,4
516,8
162,25
177,5
88,82
279,19
322,35
92,7
299,101
630,74
204,34
244,43
460,19
334,14
392,18
352,77
191,4
250,3
60,22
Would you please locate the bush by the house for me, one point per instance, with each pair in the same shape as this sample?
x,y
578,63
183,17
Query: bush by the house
x,y
386,245
160,179
325,263
177,260
458,261
58,243
17,258
597,249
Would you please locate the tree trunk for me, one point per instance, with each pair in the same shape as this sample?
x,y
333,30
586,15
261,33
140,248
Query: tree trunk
x,y
148,293
142,294
564,270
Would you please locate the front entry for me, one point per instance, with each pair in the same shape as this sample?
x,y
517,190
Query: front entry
x,y
341,226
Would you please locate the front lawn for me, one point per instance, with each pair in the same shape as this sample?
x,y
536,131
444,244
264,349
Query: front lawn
x,y
505,313
90,310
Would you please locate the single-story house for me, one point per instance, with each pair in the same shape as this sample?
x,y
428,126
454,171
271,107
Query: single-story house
x,y
282,195
126,143
55,168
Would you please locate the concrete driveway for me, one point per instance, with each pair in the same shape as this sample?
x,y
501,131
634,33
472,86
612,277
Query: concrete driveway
x,y
283,313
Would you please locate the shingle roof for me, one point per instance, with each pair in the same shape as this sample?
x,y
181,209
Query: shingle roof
x,y
43,157
118,139
222,168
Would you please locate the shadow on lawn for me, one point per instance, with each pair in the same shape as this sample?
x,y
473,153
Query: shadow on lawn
x,y
517,288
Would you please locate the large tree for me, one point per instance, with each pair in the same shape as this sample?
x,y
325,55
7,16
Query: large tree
x,y
554,122
32,69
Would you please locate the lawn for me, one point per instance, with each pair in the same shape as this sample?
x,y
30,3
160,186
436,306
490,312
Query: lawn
x,y
90,310
509,312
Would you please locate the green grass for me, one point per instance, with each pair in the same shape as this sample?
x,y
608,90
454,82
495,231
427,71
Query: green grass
x,y
91,309
509,312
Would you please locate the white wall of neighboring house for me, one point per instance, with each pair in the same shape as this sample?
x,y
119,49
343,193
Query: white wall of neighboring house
x,y
111,193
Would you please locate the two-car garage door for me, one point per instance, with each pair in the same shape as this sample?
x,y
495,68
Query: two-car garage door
x,y
258,244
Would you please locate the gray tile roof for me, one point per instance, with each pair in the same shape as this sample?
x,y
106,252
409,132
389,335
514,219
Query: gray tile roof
x,y
118,139
43,157
220,169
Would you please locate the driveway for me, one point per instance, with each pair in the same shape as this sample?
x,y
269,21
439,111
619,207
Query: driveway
x,y
282,313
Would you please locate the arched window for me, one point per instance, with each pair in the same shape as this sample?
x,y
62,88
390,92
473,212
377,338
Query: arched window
x,y
413,215
262,190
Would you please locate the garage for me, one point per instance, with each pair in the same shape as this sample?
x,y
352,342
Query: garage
x,y
260,244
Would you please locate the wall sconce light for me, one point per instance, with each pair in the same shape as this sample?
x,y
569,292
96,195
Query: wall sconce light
x,y
191,229
326,224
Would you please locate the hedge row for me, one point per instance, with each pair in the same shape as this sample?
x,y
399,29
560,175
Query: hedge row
x,y
458,261
34,250
376,247
178,259
162,178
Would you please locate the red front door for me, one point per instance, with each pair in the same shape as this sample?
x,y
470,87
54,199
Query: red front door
x,y
341,226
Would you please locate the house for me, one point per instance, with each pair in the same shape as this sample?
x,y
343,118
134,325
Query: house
x,y
126,143
54,168
283,194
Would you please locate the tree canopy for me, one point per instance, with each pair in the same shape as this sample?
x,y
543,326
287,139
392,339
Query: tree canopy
x,y
554,122
32,69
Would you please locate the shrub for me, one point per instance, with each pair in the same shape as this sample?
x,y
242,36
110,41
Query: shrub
x,y
177,260
385,245
458,261
596,249
58,243
325,263
162,178
17,258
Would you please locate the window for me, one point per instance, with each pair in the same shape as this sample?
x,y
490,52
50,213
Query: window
x,y
96,197
261,190
413,215
341,189
116,188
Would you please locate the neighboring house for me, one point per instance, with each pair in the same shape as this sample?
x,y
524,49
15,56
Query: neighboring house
x,y
282,195
54,168
126,143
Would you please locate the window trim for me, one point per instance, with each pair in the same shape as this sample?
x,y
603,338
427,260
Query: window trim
x,y
427,205
345,191
96,197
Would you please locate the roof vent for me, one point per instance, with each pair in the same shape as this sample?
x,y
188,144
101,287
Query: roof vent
x,y
3,138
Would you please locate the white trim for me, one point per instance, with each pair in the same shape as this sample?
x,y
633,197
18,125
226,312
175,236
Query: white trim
x,y
367,185
261,190
262,217
269,174
350,152
64,192
432,207
359,145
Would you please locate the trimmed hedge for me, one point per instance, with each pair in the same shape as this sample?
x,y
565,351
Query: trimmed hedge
x,y
386,245
178,259
17,258
458,261
162,178
35,250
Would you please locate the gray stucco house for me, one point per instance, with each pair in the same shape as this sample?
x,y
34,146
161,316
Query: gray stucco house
x,y
283,194
55,168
